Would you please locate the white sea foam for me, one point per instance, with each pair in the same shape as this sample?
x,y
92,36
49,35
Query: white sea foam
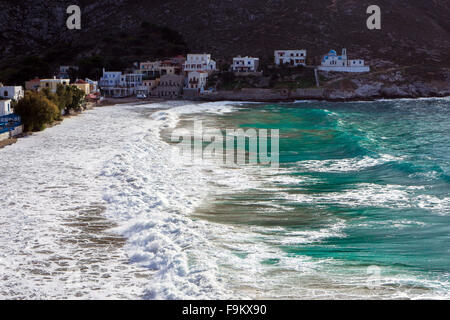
x,y
345,165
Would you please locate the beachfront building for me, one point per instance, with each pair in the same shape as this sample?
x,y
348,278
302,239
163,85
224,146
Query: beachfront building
x,y
151,85
245,64
109,81
10,123
5,107
197,80
170,86
52,84
131,80
333,62
11,92
150,68
92,84
83,86
199,62
290,57
33,84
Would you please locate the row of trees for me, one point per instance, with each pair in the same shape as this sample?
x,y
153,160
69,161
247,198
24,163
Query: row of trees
x,y
39,109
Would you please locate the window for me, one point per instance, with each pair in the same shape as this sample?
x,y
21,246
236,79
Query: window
x,y
6,93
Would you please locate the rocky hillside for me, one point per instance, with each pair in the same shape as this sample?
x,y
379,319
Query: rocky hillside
x,y
414,32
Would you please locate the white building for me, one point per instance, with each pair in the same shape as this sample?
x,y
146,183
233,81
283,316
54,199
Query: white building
x,y
291,57
197,80
245,64
150,68
199,62
11,92
333,62
109,81
131,80
5,107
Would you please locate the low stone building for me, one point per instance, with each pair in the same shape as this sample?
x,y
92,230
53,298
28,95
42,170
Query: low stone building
x,y
170,86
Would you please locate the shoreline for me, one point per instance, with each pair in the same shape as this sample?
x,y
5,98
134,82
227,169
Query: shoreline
x,y
206,98
109,102
233,96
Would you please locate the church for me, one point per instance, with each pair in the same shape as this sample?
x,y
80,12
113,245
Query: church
x,y
332,62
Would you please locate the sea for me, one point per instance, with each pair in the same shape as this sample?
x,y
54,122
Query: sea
x,y
104,206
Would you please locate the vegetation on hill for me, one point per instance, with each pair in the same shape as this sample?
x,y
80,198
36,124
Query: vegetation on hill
x,y
283,77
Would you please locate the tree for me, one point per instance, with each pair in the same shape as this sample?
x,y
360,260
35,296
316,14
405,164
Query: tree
x,y
76,97
64,97
36,111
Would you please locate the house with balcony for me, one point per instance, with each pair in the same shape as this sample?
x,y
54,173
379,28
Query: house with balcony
x,y
150,68
196,81
199,62
290,57
11,92
109,81
245,64
340,63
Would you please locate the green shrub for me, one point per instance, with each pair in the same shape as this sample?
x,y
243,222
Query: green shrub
x,y
36,111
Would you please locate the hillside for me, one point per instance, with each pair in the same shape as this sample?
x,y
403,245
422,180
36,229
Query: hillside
x,y
414,32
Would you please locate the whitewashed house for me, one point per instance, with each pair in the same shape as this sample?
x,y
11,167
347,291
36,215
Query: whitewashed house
x,y
5,107
11,92
245,64
333,62
129,85
197,80
290,57
199,62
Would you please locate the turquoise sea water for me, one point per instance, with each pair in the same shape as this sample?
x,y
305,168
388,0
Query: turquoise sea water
x,y
360,185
